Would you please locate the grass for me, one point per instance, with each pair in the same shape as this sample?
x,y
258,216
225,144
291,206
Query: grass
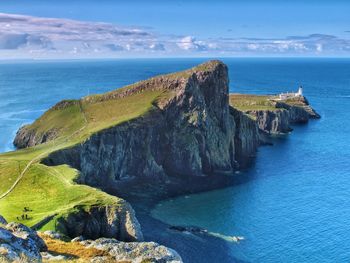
x,y
245,102
74,250
51,191
48,191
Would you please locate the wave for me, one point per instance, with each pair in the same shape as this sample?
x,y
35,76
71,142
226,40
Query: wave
x,y
235,239
9,115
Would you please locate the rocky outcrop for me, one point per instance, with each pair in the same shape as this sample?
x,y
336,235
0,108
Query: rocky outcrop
x,y
133,252
190,134
19,243
286,113
272,121
28,137
115,221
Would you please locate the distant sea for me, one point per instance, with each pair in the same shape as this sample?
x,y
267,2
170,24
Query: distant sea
x,y
292,205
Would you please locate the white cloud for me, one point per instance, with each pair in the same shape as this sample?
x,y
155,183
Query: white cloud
x,y
190,43
28,36
319,47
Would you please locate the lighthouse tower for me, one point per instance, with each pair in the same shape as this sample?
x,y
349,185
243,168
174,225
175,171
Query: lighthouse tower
x,y
300,91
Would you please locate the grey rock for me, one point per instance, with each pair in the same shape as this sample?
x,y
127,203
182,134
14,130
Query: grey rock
x,y
135,251
272,121
78,239
114,221
247,137
50,257
20,243
25,232
27,137
3,220
54,235
278,121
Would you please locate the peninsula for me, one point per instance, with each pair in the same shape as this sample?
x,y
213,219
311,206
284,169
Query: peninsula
x,y
169,130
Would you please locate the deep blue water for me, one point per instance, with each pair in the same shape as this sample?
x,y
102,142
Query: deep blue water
x,y
295,204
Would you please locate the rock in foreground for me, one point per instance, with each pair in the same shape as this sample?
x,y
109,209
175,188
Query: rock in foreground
x,y
19,243
134,251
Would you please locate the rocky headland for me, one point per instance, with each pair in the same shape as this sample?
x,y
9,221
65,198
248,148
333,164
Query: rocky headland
x,y
171,134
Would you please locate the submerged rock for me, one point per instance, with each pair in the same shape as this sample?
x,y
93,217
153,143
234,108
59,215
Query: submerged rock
x,y
189,229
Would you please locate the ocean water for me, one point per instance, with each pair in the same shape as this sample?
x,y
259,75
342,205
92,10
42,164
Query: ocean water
x,y
292,205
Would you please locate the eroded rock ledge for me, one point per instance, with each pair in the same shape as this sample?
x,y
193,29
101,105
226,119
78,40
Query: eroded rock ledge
x,y
117,222
274,116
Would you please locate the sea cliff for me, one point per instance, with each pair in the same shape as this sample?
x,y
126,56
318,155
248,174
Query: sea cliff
x,y
193,128
274,116
182,130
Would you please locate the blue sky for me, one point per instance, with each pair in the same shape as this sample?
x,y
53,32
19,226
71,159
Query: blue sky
x,y
176,28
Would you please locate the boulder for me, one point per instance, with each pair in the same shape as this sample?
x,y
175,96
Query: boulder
x,y
24,232
21,247
134,251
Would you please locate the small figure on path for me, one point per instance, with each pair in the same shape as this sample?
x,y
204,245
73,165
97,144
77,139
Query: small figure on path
x,y
22,217
17,218
26,216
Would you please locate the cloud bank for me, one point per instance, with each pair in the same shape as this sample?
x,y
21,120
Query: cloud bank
x,y
36,37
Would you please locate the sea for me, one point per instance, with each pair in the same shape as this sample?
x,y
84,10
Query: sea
x,y
293,204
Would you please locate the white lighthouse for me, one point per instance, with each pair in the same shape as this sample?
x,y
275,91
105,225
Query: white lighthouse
x,y
300,91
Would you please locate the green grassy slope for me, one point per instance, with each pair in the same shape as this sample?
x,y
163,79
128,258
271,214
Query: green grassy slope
x,y
248,102
50,190
245,102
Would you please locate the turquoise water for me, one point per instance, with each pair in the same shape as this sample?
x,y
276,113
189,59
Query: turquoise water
x,y
294,204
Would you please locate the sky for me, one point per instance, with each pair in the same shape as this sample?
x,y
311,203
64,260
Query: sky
x,y
179,28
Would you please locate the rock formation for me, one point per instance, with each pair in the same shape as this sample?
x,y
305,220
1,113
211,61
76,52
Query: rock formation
x,y
134,251
117,222
274,116
19,243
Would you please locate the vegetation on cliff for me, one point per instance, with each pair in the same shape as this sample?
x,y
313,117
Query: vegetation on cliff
x,y
42,196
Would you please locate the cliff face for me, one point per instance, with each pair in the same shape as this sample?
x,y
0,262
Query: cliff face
x,y
191,134
272,121
26,137
247,137
278,120
117,222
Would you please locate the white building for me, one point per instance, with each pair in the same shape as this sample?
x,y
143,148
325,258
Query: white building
x,y
288,95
